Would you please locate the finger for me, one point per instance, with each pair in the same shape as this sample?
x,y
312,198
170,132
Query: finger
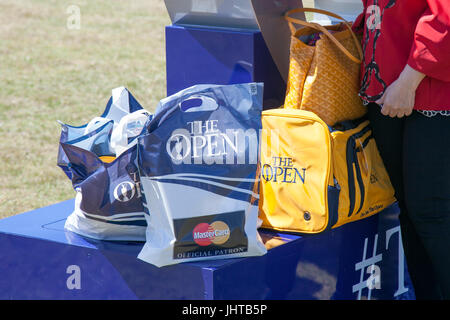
x,y
400,114
392,114
404,112
385,109
395,112
392,111
408,113
380,101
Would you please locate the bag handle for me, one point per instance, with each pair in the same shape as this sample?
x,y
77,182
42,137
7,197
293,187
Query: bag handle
x,y
321,28
95,123
119,136
198,102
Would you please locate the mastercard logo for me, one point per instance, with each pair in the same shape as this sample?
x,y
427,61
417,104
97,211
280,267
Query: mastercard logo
x,y
205,234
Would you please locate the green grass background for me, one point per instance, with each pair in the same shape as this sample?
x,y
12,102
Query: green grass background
x,y
49,72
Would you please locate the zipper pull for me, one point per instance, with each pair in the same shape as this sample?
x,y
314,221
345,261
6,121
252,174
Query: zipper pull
x,y
336,184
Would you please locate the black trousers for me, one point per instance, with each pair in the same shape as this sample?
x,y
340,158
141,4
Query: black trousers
x,y
416,153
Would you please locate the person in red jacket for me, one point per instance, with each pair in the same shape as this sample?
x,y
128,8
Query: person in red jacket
x,y
405,81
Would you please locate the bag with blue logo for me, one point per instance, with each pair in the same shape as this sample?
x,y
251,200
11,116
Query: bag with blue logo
x,y
103,168
198,166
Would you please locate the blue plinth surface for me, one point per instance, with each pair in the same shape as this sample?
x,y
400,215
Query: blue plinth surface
x,y
196,55
41,260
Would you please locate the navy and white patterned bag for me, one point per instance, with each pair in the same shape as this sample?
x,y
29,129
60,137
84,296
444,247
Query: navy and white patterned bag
x,y
101,159
120,103
198,167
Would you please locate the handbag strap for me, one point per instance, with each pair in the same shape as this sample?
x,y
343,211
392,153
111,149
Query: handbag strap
x,y
321,28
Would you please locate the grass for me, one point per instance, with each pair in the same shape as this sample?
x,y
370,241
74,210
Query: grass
x,y
50,72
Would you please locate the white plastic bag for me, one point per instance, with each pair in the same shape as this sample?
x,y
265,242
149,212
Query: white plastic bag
x,y
108,202
129,127
198,174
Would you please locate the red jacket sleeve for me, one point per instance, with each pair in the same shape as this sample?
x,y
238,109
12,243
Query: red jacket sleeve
x,y
430,52
358,24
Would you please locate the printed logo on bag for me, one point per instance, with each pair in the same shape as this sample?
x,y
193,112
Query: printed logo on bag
x,y
126,190
205,234
203,143
134,128
282,169
208,236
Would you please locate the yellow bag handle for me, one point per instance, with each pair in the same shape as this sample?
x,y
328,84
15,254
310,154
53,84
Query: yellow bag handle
x,y
319,27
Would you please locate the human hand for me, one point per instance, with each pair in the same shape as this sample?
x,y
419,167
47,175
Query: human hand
x,y
399,98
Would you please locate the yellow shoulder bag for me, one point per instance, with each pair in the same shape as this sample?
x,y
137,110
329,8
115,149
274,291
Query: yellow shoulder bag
x,y
314,177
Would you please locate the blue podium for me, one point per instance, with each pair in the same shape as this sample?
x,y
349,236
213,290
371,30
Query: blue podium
x,y
361,260
200,55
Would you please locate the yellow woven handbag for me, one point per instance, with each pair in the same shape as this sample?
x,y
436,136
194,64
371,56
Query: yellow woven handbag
x,y
324,78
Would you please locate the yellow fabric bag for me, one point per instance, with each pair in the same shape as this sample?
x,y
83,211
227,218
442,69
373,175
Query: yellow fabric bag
x,y
324,78
314,177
